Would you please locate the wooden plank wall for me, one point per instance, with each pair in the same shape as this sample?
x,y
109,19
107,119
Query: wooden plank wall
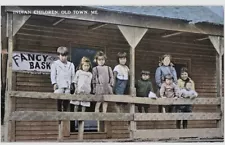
x,y
31,131
46,39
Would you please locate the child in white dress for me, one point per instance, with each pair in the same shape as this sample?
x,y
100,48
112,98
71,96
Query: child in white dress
x,y
82,83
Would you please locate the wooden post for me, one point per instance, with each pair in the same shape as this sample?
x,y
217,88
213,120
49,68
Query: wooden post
x,y
133,35
66,125
219,85
103,124
60,127
60,136
8,101
218,45
13,100
81,127
132,90
132,72
108,130
80,130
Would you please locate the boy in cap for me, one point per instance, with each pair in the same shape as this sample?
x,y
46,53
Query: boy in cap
x,y
143,87
169,90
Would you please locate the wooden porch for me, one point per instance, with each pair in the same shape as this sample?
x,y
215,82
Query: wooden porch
x,y
131,117
34,36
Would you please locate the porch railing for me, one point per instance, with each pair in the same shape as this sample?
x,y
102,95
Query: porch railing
x,y
132,117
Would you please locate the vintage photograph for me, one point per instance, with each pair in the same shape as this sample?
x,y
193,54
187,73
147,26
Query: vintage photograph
x,y
112,73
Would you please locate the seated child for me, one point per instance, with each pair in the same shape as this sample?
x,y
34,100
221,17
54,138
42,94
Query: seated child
x,y
169,90
143,87
186,92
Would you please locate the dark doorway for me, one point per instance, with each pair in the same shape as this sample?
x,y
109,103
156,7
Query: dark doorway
x,y
178,68
78,53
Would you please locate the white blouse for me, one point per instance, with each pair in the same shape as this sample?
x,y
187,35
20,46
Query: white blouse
x,y
122,72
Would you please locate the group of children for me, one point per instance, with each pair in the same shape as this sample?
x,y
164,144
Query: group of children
x,y
101,80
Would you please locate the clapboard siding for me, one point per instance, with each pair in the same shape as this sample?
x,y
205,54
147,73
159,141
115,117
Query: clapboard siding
x,y
43,130
45,39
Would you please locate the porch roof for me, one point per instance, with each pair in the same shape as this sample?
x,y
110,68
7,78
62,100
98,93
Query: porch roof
x,y
192,14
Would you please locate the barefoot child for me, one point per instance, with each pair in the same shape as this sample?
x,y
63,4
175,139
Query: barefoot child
x,y
82,83
121,75
102,79
144,86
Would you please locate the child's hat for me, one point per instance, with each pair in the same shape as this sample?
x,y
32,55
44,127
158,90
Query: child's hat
x,y
145,72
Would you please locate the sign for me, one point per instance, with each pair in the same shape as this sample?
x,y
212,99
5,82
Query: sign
x,y
29,61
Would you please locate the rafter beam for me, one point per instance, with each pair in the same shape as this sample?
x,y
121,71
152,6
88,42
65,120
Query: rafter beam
x,y
58,21
201,39
96,26
172,34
